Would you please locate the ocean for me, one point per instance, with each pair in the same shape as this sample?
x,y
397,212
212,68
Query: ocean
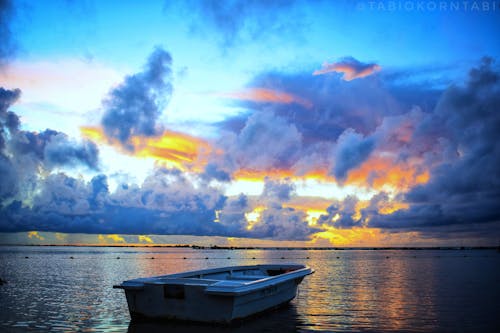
x,y
69,289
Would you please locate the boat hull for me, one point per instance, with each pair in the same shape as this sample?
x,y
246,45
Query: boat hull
x,y
209,300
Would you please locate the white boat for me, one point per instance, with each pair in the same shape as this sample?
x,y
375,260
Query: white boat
x,y
218,295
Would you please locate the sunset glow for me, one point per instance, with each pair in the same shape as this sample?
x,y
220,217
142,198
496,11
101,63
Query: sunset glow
x,y
171,149
251,122
266,95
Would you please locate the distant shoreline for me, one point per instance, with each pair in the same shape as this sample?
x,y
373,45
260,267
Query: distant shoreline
x,y
215,247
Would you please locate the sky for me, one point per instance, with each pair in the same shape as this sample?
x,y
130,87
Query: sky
x,y
250,123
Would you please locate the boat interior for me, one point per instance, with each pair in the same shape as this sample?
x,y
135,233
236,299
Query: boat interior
x,y
236,276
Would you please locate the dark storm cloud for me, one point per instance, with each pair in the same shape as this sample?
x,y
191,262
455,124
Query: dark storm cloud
x,y
8,120
7,98
60,150
24,155
33,154
133,108
337,105
465,183
342,214
281,190
7,45
9,179
453,132
237,20
214,171
458,142
351,151
99,192
337,133
232,215
112,219
274,222
166,203
54,148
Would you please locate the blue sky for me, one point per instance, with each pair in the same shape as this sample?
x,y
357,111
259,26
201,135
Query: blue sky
x,y
205,118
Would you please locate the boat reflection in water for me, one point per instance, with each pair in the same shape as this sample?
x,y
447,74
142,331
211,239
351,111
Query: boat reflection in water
x,y
283,319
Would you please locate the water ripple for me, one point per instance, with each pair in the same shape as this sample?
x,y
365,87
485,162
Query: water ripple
x,y
70,289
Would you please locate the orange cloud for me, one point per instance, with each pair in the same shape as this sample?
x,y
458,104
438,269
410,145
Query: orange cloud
x,y
35,235
364,237
266,95
357,236
254,175
380,171
115,238
253,217
174,149
350,67
386,208
145,239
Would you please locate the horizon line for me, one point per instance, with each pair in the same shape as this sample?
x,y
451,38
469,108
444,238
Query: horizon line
x,y
217,247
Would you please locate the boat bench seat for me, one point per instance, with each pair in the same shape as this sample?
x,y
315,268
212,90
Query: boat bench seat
x,y
247,277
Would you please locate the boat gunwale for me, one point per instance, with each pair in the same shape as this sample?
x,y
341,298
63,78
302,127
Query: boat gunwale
x,y
253,286
223,286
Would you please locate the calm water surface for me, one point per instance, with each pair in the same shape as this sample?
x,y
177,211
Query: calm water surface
x,y
68,289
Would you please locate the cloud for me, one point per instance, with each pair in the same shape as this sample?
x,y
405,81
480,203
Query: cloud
x,y
9,180
361,132
238,20
134,106
99,192
282,223
165,203
262,95
26,156
171,148
214,171
35,235
465,178
427,165
63,194
265,217
232,214
337,105
144,239
469,122
351,151
266,142
424,168
350,67
8,120
281,190
115,238
7,46
343,214
60,150
51,148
